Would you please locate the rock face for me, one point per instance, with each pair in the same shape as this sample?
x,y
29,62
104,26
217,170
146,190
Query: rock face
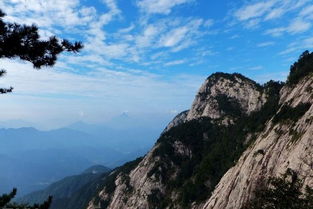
x,y
220,90
283,145
178,119
237,88
192,164
132,189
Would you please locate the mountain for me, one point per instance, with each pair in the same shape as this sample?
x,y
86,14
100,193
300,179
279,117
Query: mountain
x,y
32,159
15,124
236,134
96,169
66,191
123,133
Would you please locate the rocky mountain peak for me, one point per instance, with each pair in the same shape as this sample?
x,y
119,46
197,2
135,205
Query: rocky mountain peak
x,y
227,95
224,97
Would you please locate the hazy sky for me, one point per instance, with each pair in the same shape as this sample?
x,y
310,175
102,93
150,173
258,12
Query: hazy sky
x,y
148,57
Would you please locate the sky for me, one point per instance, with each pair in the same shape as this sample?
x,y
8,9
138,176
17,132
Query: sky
x,y
147,58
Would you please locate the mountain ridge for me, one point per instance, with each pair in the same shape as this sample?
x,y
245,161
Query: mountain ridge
x,y
66,190
213,156
172,174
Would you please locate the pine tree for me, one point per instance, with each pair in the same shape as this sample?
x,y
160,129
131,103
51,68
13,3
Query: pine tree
x,y
283,192
6,199
22,41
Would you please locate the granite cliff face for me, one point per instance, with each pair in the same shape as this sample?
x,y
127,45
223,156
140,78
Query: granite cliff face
x,y
220,96
235,88
283,144
178,119
213,156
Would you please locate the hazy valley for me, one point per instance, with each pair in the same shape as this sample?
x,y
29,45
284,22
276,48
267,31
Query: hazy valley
x,y
32,159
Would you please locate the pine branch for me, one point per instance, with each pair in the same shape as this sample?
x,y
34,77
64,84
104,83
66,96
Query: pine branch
x,y
5,91
2,72
6,198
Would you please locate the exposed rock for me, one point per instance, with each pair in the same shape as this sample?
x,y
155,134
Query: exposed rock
x,y
284,145
234,88
245,92
178,119
132,190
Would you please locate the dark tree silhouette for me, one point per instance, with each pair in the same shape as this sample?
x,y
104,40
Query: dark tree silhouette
x,y
22,41
6,199
4,90
301,68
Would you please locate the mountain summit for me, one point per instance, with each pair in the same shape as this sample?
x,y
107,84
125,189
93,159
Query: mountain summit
x,y
224,97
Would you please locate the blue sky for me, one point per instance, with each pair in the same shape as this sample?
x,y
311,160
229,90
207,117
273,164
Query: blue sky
x,y
148,57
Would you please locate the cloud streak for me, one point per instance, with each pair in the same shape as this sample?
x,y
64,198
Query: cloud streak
x,y
254,14
64,93
159,6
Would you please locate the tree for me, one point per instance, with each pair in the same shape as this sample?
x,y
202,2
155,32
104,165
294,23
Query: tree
x,y
22,41
301,68
6,198
283,192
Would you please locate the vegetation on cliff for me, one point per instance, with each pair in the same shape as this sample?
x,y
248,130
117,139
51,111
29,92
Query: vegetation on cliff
x,y
301,68
284,192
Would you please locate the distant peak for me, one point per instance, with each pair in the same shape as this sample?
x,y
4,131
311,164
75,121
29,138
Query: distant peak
x,y
96,169
125,115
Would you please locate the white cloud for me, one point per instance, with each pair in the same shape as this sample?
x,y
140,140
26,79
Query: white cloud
x,y
308,42
147,38
181,37
56,16
298,46
208,23
307,12
136,43
275,13
265,44
46,13
254,10
234,36
296,26
251,15
57,93
175,62
173,37
276,31
159,6
143,44
253,23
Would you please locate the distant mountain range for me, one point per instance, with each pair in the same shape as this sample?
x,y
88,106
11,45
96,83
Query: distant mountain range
x,y
15,124
31,159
